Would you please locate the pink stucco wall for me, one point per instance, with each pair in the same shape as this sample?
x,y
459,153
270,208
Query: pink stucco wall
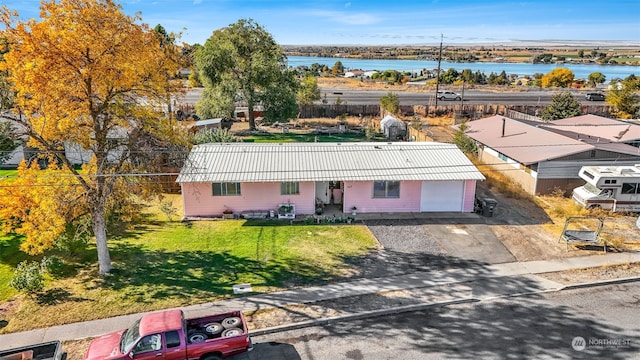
x,y
360,195
198,199
469,195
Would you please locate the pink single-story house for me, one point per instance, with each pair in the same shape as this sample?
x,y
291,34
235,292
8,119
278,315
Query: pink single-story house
x,y
372,177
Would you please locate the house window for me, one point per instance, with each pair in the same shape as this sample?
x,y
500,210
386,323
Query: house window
x,y
226,189
289,188
611,182
386,189
629,188
592,153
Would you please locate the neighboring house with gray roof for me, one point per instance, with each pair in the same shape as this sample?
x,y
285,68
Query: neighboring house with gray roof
x,y
373,177
546,156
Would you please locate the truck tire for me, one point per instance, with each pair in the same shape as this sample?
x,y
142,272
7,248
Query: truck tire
x,y
231,332
212,357
196,337
213,328
231,322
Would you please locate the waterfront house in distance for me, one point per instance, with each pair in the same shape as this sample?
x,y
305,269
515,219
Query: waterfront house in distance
x,y
544,157
370,176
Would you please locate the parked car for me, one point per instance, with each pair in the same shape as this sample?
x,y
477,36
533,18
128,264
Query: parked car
x,y
168,335
448,95
43,351
594,96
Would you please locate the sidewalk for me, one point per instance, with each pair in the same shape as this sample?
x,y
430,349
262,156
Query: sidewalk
x,y
482,283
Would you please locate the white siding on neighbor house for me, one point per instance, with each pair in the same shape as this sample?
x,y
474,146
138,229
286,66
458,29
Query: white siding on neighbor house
x,y
506,159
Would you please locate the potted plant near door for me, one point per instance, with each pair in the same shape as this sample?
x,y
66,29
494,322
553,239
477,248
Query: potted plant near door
x,y
354,210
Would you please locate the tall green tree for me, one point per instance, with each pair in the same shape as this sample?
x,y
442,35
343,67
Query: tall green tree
x,y
563,105
279,98
242,63
308,91
390,103
596,78
449,76
632,82
338,68
466,144
467,76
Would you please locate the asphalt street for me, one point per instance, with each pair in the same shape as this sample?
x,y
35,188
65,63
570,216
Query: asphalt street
x,y
542,326
471,97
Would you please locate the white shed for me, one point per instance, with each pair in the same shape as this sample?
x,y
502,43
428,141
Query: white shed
x,y
393,128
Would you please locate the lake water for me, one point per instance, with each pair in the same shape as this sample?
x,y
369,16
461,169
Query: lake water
x,y
580,71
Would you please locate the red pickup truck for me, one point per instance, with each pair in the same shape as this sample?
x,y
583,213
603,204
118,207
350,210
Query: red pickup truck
x,y
168,335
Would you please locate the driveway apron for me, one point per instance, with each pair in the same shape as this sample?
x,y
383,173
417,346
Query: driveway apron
x,y
471,242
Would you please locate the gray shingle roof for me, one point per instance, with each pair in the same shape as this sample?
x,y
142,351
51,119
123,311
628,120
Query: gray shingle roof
x,y
270,162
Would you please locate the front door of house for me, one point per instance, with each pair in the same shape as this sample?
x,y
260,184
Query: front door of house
x,y
322,192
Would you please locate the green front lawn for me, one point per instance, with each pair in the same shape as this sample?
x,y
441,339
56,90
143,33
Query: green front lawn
x,y
8,173
163,264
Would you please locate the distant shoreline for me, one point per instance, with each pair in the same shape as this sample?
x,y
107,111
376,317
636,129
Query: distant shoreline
x,y
549,44
622,53
581,71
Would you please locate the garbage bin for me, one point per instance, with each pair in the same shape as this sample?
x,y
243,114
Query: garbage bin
x,y
488,206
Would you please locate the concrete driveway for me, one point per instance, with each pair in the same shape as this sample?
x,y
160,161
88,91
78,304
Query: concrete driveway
x,y
462,236
471,242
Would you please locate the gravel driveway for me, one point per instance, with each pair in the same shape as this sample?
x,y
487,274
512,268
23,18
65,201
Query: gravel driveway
x,y
404,236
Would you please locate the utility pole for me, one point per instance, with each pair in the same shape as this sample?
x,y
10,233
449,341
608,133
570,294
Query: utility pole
x,y
438,72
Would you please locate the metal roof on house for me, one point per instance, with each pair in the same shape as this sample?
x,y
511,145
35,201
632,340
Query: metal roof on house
x,y
594,127
274,162
522,141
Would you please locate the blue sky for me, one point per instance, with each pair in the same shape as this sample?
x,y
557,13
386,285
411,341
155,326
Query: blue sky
x,y
375,22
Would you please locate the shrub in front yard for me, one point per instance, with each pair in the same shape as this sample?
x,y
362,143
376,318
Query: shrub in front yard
x,y
28,278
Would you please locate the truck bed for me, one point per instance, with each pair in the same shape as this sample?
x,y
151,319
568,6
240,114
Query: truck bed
x,y
220,334
43,351
226,321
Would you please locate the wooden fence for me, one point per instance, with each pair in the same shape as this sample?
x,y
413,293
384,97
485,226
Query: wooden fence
x,y
466,111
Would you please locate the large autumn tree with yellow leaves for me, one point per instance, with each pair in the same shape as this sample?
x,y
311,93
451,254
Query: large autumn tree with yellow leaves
x,y
89,77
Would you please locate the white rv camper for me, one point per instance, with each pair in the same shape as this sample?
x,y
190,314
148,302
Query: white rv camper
x,y
616,188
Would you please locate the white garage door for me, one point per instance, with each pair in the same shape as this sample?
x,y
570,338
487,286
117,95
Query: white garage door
x,y
442,196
